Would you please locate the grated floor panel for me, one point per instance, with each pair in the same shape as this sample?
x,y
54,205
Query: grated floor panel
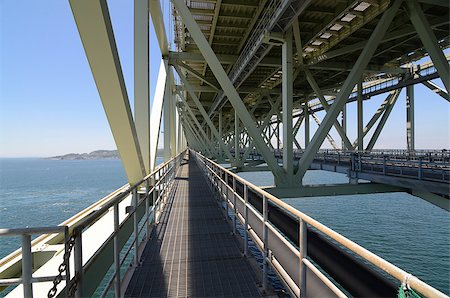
x,y
192,252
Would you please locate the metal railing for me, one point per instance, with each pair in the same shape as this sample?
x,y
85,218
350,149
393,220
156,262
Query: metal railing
x,y
426,165
27,278
148,198
290,262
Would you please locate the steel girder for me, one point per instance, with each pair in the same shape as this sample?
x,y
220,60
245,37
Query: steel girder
x,y
429,40
141,79
228,89
95,28
390,105
202,111
347,88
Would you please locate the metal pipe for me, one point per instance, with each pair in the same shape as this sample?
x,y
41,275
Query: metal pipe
x,y
234,206
266,247
302,252
147,209
27,266
78,255
136,232
246,221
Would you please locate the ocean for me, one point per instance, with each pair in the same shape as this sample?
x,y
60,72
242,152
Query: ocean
x,y
401,228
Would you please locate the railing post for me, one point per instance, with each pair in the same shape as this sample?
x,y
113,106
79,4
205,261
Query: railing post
x,y
226,194
116,252
384,164
78,255
302,248
147,207
234,205
136,230
246,220
27,266
265,244
420,168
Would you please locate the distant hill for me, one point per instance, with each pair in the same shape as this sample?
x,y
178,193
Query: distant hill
x,y
94,155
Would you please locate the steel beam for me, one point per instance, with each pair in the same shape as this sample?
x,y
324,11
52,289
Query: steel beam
x,y
429,40
306,117
194,118
237,134
312,82
393,35
436,89
228,88
287,107
410,143
376,116
167,116
173,118
95,28
332,190
344,123
201,141
197,75
156,112
383,120
202,110
158,25
347,88
141,79
360,112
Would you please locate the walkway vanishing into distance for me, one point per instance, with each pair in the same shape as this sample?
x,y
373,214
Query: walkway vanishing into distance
x,y
192,252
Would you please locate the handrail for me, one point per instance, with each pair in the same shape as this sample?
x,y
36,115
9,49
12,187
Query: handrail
x,y
158,183
377,261
27,278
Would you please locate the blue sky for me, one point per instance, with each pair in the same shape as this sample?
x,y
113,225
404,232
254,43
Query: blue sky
x,y
49,104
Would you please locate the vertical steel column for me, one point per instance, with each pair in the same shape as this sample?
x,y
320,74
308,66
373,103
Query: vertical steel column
x,y
117,291
173,118
147,209
344,123
302,254
136,228
220,155
236,138
410,142
287,107
167,113
278,132
234,206
347,87
265,245
246,220
27,266
360,117
141,78
78,256
306,116
179,133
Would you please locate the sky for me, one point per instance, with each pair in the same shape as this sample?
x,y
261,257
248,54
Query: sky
x,y
49,104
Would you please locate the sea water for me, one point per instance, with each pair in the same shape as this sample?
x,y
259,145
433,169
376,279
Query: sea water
x,y
403,229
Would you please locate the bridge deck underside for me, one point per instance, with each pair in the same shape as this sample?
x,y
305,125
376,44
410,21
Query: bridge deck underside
x,y
192,251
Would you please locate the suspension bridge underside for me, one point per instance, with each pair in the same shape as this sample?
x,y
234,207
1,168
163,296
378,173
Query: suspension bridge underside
x,y
247,76
252,74
242,79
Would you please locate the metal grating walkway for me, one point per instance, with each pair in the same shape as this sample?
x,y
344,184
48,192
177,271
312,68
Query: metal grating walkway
x,y
192,252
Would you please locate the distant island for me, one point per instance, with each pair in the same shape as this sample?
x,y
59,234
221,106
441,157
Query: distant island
x,y
94,155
